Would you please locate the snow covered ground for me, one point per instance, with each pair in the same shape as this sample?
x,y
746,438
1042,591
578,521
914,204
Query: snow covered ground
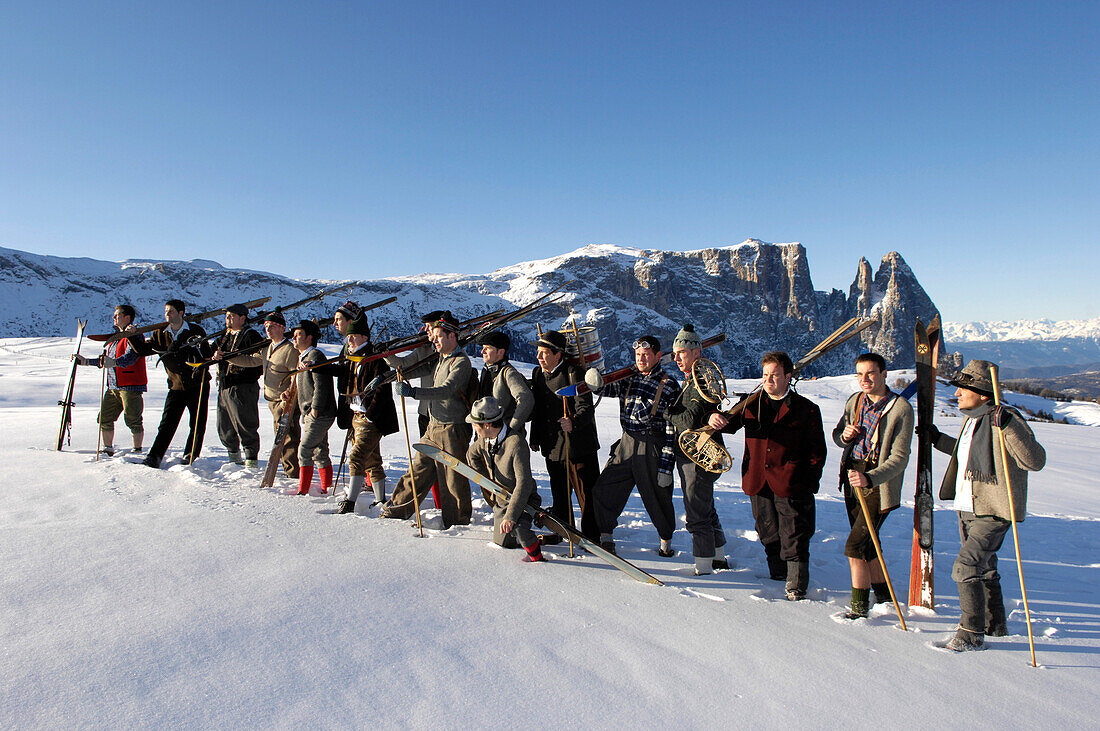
x,y
189,598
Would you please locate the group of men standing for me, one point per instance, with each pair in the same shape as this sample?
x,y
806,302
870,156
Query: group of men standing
x,y
485,420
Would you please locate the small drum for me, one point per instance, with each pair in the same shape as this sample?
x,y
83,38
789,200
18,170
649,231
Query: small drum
x,y
589,345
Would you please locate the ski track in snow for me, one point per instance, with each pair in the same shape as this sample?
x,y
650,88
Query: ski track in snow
x,y
187,597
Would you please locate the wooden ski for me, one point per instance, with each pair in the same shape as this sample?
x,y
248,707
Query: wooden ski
x,y
921,578
541,515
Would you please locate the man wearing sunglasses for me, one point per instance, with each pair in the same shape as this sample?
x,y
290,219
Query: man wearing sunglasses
x,y
644,455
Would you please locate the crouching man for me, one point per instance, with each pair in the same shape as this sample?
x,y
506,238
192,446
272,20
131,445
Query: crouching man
x,y
976,480
503,455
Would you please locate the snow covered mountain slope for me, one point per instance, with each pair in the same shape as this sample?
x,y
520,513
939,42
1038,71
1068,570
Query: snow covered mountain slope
x,y
1029,348
761,295
189,598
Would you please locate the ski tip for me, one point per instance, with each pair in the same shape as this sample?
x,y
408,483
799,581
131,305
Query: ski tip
x,y
427,449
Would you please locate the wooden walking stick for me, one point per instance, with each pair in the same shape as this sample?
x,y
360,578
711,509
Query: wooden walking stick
x,y
1012,512
408,445
194,432
878,550
572,479
102,390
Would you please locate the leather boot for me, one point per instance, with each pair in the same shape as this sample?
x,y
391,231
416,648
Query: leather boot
x,y
777,567
325,473
996,624
972,607
305,476
798,579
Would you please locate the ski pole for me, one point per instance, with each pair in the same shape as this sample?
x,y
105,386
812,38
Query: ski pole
x,y
1012,513
343,456
408,445
878,550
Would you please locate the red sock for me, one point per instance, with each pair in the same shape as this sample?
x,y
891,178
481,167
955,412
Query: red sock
x,y
305,476
534,552
326,479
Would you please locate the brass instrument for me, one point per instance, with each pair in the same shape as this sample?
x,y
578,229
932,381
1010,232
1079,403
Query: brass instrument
x,y
698,444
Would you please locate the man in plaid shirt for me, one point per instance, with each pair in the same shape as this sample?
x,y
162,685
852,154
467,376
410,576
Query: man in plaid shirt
x,y
644,457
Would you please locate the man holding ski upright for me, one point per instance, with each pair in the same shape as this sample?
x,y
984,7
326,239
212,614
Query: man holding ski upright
x,y
690,412
502,454
781,470
126,381
875,431
977,479
644,455
448,404
188,389
239,387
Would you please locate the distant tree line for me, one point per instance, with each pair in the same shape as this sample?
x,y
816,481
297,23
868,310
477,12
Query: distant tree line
x,y
1035,389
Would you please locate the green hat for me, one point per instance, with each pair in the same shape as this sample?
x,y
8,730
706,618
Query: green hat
x,y
358,326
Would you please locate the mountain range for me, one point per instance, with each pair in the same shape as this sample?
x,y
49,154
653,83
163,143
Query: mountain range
x,y
760,294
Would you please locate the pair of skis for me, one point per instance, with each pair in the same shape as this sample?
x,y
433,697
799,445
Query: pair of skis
x,y
921,585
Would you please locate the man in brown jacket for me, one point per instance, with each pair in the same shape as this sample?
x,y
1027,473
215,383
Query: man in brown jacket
x,y
448,406
976,479
280,363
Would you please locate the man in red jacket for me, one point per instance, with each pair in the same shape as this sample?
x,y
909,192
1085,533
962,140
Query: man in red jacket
x,y
126,381
781,472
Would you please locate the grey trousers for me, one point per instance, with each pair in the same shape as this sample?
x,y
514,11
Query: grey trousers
x,y
702,519
521,535
239,418
980,540
785,525
633,463
313,449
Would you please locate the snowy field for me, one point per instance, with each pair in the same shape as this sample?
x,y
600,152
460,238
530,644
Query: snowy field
x,y
190,598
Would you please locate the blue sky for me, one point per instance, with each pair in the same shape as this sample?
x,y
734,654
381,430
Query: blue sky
x,y
368,139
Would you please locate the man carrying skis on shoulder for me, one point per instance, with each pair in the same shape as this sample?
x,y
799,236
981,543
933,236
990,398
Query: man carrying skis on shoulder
x,y
644,456
126,381
177,344
317,403
239,388
502,381
976,480
502,454
447,429
280,363
876,432
373,416
564,430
